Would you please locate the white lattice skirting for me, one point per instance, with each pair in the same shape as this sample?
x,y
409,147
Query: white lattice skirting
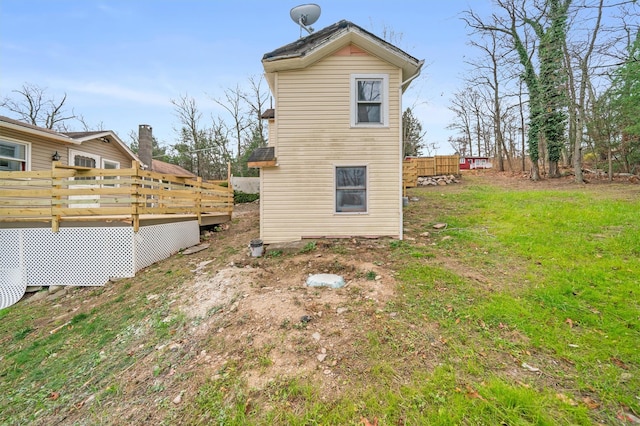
x,y
84,256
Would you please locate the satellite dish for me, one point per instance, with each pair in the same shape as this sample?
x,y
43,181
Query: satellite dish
x,y
305,15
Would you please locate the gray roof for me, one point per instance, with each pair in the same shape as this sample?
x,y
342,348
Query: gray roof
x,y
303,45
79,135
262,154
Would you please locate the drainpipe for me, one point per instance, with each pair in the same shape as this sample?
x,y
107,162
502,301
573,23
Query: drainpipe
x,y
401,201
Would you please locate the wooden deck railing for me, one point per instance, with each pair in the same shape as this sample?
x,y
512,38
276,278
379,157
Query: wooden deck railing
x,y
81,193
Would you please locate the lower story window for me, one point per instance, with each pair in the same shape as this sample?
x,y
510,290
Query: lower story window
x,y
110,165
13,156
351,189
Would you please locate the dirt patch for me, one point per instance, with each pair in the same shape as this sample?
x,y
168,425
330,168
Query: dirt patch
x,y
258,313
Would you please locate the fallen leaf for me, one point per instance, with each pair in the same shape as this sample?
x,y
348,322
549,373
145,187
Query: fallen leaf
x,y
366,422
628,418
472,393
530,367
619,363
457,320
567,400
53,396
570,322
590,403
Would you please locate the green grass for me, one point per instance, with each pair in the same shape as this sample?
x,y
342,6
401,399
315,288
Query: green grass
x,y
540,278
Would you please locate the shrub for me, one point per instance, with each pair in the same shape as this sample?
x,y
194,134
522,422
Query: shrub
x,y
240,197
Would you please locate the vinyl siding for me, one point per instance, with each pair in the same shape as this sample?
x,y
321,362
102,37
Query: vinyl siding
x,y
42,149
313,136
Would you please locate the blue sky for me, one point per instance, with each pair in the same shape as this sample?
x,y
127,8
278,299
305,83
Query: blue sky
x,y
120,62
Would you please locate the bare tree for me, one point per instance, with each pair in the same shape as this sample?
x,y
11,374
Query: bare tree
x,y
547,20
233,103
32,105
463,111
256,100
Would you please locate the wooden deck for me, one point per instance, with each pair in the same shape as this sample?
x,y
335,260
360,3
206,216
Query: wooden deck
x,y
78,196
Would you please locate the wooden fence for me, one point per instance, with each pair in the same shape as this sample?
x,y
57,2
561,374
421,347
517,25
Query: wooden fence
x,y
82,193
429,166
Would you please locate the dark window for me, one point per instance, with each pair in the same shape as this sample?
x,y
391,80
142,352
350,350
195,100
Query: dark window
x,y
351,189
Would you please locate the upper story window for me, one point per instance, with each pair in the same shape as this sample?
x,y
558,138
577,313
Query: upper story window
x,y
369,100
13,156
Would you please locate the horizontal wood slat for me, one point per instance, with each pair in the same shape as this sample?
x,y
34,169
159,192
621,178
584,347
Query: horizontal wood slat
x,y
79,193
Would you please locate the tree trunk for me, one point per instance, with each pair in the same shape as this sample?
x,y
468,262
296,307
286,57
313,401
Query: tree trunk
x,y
610,164
577,152
535,173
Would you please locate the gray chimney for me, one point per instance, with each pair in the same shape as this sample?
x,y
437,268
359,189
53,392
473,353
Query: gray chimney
x,y
145,145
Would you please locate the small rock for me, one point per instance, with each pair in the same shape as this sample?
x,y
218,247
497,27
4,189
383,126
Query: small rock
x,y
425,234
174,347
178,399
447,237
55,288
378,277
327,372
321,357
440,226
325,280
341,311
305,319
316,336
323,350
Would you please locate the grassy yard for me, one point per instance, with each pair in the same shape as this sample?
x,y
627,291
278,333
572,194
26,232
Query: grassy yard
x,y
524,310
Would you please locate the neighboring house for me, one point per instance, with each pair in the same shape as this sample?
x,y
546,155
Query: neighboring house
x,y
66,219
333,166
24,147
470,163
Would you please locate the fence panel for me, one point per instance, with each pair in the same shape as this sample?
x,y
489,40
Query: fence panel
x,y
80,192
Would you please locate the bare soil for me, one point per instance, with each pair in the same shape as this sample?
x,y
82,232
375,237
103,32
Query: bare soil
x,y
258,313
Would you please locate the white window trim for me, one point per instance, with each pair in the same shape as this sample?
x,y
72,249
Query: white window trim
x,y
104,161
27,152
384,113
73,153
335,190
117,166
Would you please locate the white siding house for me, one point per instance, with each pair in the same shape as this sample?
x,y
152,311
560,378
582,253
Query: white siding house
x,y
334,163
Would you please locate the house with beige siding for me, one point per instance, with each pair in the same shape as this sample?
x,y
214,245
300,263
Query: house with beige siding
x,y
333,165
24,147
80,208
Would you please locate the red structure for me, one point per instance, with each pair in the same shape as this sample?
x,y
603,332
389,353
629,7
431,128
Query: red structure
x,y
471,163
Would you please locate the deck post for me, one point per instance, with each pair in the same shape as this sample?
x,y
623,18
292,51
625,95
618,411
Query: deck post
x,y
55,218
199,200
135,195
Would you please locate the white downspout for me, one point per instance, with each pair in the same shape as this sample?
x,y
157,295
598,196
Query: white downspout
x,y
400,91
